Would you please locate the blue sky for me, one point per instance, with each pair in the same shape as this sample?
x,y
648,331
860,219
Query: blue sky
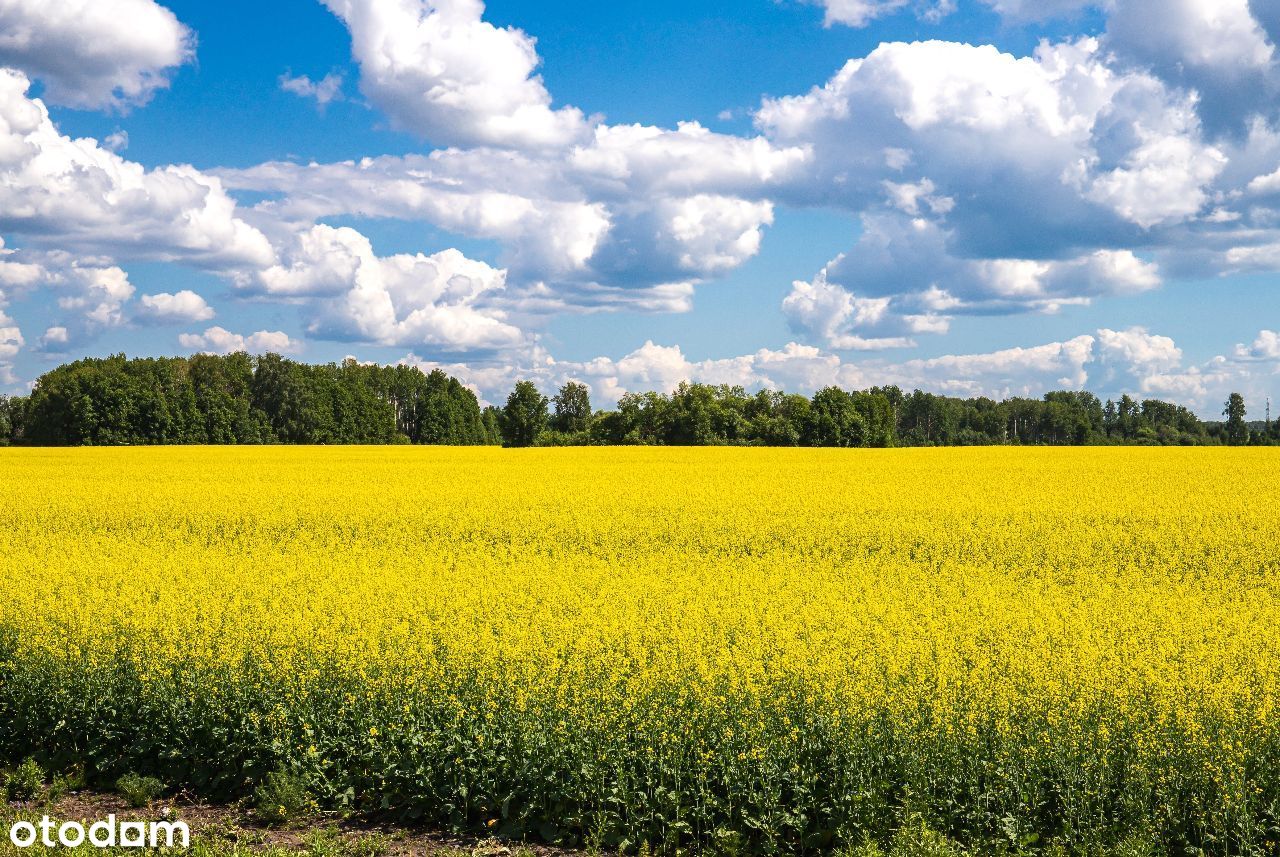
x,y
992,197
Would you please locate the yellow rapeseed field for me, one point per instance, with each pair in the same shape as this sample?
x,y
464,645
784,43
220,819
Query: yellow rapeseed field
x,y
759,650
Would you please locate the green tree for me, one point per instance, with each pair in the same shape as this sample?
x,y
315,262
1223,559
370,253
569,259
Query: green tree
x,y
706,415
241,399
776,419
525,415
491,421
6,421
879,424
1237,431
834,420
573,408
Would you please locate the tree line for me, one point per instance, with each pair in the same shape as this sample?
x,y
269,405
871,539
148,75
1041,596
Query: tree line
x,y
242,399
702,414
239,399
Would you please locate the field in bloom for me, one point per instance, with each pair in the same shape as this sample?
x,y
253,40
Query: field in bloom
x,y
741,650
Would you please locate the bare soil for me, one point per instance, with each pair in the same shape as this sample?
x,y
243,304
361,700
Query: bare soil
x,y
235,829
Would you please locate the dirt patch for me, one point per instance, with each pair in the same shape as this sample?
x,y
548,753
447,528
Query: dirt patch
x,y
233,829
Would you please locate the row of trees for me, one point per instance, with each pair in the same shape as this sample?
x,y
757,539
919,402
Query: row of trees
x,y
239,399
701,414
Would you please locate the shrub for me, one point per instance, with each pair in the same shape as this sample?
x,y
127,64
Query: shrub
x,y
280,797
138,790
24,783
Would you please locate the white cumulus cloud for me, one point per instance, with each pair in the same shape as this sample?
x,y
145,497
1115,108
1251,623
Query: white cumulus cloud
x,y
436,301
861,13
165,308
436,68
94,53
74,195
324,91
218,340
621,218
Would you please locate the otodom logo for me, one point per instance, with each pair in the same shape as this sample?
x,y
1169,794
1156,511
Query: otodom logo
x,y
100,834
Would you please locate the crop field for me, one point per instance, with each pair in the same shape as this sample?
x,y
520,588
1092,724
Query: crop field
x,y
763,651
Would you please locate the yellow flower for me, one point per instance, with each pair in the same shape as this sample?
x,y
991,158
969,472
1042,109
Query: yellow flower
x,y
1108,614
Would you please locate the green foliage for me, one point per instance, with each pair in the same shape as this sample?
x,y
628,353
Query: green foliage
x,y
61,784
834,420
573,409
281,797
558,438
1237,431
239,399
139,791
491,426
24,783
699,415
12,419
525,416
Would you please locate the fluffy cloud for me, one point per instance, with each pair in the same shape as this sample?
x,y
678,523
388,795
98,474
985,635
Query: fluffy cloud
x,y
1150,164
1030,176
79,198
1145,364
116,141
860,13
12,275
542,299
94,53
902,280
1215,47
991,183
418,301
1140,351
11,343
16,272
1149,365
1008,372
76,196
89,294
164,308
632,209
659,241
1040,10
217,340
1263,256
1202,389
831,314
1199,34
325,91
590,216
438,70
95,296
627,159
1265,348
513,199
1053,150
1222,49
